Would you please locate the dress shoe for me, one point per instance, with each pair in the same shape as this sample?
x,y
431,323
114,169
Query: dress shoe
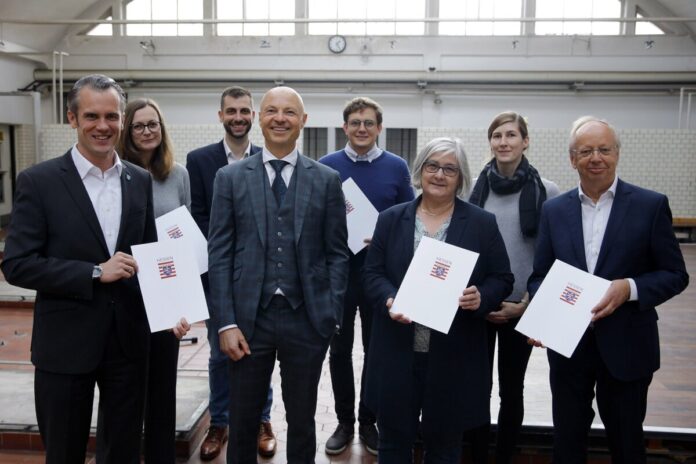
x,y
369,436
340,439
213,442
267,441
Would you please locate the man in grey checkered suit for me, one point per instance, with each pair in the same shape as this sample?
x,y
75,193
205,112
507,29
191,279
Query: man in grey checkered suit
x,y
278,273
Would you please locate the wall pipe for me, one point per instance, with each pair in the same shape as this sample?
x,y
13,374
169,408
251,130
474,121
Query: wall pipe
x,y
385,76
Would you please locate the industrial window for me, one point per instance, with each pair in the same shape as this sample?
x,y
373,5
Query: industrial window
x,y
645,28
402,142
574,9
341,139
480,9
315,142
391,10
256,10
163,10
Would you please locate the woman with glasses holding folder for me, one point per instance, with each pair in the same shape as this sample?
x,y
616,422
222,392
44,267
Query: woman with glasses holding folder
x,y
413,370
145,142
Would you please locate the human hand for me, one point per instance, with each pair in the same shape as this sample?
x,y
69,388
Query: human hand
x,y
617,294
533,342
367,241
181,328
398,317
119,266
470,299
233,344
508,310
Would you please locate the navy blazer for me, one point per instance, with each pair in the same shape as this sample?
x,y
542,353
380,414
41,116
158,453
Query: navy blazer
x,y
458,378
237,243
639,243
54,241
202,164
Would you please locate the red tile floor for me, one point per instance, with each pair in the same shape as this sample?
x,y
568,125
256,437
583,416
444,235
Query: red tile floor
x,y
672,399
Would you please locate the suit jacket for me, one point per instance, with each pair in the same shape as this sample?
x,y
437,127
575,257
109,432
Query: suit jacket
x,y
54,242
202,164
639,243
458,378
237,243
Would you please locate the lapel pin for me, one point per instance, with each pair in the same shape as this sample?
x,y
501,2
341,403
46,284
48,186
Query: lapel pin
x,y
128,176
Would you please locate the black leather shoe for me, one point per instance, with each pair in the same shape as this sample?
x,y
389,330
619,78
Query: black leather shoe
x,y
340,439
370,437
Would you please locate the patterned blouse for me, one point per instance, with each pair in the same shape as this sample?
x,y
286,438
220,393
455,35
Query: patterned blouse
x,y
421,338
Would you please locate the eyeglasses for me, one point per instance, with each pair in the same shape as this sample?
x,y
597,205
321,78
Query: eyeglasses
x,y
152,126
432,168
356,123
602,151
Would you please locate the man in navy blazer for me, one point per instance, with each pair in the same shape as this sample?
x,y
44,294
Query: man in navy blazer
x,y
73,223
278,270
622,233
237,116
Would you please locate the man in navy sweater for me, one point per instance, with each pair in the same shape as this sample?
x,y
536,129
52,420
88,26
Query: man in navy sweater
x,y
385,180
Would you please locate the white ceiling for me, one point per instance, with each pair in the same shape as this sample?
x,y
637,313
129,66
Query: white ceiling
x,y
42,39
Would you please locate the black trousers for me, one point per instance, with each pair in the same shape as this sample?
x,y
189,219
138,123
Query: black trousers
x,y
341,355
160,403
64,409
513,357
395,446
288,334
621,406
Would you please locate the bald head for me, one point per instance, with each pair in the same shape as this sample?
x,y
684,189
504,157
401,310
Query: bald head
x,y
284,92
281,118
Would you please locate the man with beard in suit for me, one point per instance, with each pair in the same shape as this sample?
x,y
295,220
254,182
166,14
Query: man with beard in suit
x,y
237,116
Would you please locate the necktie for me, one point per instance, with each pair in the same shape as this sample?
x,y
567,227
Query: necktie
x,y
279,188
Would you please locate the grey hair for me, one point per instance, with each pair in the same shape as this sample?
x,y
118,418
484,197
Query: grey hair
x,y
97,82
443,145
583,121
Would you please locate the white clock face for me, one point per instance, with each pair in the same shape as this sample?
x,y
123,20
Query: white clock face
x,y
337,43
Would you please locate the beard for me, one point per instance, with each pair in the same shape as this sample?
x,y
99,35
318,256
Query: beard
x,y
230,132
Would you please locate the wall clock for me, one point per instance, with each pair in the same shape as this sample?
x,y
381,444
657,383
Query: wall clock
x,y
337,43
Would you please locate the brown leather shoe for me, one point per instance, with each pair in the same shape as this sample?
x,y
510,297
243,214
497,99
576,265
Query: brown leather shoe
x,y
213,443
267,441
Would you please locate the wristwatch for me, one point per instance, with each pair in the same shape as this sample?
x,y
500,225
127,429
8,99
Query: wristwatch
x,y
97,272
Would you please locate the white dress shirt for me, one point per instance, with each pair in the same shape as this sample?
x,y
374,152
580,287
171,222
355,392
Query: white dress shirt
x,y
231,158
595,217
288,169
371,155
104,190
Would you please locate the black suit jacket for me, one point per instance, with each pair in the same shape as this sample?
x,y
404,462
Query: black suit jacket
x,y
458,378
202,164
53,243
638,243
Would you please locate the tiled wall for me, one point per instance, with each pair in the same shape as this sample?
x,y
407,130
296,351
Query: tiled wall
x,y
659,159
26,152
56,139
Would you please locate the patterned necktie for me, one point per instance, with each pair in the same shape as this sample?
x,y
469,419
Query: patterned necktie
x,y
279,188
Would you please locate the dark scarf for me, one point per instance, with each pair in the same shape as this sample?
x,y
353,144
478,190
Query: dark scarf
x,y
526,179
